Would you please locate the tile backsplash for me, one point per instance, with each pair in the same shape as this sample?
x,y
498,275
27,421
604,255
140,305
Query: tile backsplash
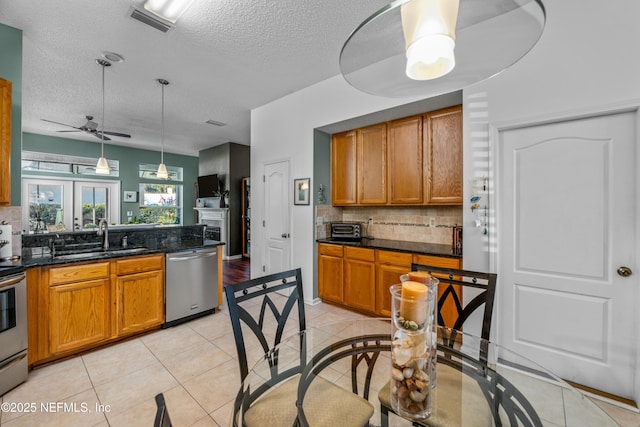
x,y
422,224
13,216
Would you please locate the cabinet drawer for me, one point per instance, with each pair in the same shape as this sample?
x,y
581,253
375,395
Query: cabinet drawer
x,y
437,261
395,258
331,250
359,253
76,273
139,264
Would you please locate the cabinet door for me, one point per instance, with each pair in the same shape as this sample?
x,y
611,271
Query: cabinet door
x,y
78,315
360,284
139,302
449,311
443,143
330,283
372,165
389,267
343,168
405,161
5,142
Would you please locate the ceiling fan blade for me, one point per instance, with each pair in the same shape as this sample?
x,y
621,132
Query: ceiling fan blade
x,y
58,123
98,135
68,131
121,135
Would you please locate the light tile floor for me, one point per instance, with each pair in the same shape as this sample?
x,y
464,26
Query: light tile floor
x,y
193,364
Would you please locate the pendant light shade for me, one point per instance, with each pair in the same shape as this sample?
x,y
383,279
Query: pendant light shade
x,y
429,32
102,167
426,48
162,168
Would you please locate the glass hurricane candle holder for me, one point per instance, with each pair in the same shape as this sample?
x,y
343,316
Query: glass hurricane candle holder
x,y
412,349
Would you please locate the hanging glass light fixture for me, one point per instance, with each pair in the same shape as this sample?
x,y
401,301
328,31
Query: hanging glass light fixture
x,y
406,49
102,167
162,168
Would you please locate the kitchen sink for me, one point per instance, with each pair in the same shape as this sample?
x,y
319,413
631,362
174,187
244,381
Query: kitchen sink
x,y
100,254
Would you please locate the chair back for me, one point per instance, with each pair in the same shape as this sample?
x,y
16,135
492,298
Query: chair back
x,y
162,414
450,279
251,302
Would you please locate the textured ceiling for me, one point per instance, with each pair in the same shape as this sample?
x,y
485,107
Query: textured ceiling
x,y
224,58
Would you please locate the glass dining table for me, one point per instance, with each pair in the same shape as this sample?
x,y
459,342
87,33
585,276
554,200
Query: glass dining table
x,y
478,383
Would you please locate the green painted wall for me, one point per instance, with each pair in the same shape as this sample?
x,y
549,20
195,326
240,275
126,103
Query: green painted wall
x,y
11,69
129,159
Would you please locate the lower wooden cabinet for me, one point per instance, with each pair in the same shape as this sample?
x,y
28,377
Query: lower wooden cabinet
x,y
359,278
75,307
78,315
449,311
330,273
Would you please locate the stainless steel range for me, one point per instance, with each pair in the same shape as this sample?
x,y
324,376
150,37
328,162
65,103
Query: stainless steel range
x,y
13,328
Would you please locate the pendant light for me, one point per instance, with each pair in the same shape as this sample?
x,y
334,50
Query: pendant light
x,y
406,48
162,168
102,168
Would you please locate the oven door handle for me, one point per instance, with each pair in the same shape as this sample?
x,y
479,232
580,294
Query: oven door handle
x,y
12,362
11,280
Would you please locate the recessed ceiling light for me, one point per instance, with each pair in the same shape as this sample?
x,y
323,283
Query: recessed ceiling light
x,y
215,123
113,57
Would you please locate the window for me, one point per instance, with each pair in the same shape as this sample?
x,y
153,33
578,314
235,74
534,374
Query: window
x,y
62,164
161,203
149,171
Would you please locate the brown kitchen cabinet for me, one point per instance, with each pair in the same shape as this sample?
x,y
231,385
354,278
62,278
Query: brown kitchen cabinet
x,y
449,310
372,165
360,278
405,161
139,294
330,273
443,145
79,307
343,168
5,142
389,267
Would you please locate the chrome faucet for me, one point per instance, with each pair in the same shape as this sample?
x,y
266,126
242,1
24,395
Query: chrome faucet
x,y
105,244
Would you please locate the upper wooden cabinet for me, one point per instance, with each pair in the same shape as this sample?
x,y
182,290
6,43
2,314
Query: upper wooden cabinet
x,y
405,168
372,165
343,168
412,161
443,144
5,142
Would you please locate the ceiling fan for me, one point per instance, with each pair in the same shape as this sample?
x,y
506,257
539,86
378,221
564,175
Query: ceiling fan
x,y
90,127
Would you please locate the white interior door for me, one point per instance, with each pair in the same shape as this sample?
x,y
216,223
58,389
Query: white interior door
x,y
567,224
277,214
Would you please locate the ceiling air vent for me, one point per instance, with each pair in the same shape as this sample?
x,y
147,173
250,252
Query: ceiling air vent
x,y
151,20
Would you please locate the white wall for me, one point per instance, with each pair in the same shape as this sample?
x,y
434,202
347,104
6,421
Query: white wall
x,y
283,130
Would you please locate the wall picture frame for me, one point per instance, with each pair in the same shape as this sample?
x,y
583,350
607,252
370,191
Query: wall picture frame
x,y
130,196
301,190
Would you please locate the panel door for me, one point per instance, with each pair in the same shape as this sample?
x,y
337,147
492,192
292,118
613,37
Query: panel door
x,y
372,165
404,156
343,168
139,301
330,278
569,223
277,215
443,148
5,142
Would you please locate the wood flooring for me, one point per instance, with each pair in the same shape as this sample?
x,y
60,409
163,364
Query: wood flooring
x,y
236,270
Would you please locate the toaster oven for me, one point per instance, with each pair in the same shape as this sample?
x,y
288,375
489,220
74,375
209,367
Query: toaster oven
x,y
348,231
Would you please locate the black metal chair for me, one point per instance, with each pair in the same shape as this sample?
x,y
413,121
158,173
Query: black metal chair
x,y
274,401
449,280
162,414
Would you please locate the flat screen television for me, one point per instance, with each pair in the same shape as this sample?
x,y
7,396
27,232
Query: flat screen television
x,y
208,186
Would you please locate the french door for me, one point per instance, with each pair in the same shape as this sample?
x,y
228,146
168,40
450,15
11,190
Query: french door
x,y
75,205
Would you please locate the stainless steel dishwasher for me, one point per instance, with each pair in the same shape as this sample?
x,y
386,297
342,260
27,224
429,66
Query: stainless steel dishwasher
x,y
191,285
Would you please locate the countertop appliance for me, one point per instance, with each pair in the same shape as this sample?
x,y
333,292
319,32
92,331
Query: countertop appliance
x,y
13,328
191,284
347,231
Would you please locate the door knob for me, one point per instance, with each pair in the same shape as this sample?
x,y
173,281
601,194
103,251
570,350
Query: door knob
x,y
624,271
284,235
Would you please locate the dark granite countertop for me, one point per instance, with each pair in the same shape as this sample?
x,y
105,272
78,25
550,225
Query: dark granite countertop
x,y
399,246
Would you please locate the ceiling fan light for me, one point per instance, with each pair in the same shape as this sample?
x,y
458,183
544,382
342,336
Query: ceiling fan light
x,y
429,33
102,167
171,10
162,171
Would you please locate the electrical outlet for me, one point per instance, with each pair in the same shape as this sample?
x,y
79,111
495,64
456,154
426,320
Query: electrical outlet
x,y
432,222
129,213
370,220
